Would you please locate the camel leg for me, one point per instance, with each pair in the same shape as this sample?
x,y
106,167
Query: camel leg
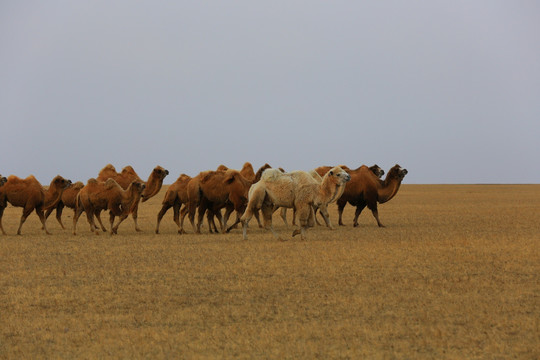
x,y
191,212
248,214
283,214
160,215
2,208
98,217
111,221
183,213
317,220
357,213
341,206
228,211
134,215
90,216
176,214
375,213
305,217
59,210
256,214
267,211
220,219
76,214
202,210
41,215
324,212
24,215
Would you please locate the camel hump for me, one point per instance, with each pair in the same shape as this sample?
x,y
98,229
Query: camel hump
x,y
92,181
183,177
247,166
207,175
111,183
271,174
13,178
77,185
129,170
230,175
222,168
109,167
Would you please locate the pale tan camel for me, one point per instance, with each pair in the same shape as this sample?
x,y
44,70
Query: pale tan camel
x,y
127,176
175,197
97,196
297,190
365,188
30,195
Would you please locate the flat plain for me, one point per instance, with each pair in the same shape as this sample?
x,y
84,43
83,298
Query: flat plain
x,y
455,274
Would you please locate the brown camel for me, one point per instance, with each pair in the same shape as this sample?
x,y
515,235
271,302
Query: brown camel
x,y
175,197
97,196
214,190
30,195
297,190
127,176
365,188
69,199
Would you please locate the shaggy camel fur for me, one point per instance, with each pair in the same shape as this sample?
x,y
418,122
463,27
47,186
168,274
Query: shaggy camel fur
x,y
365,188
127,176
297,190
175,196
30,195
97,196
214,190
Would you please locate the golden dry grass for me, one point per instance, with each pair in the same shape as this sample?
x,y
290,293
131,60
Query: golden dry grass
x,y
454,275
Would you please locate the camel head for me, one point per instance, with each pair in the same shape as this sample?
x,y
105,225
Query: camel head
x,y
339,175
376,169
154,183
60,183
3,180
397,172
137,187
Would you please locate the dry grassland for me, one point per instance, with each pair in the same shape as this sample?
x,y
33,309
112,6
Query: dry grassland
x,y
454,275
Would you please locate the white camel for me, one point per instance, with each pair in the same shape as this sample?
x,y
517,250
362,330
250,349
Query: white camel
x,y
297,190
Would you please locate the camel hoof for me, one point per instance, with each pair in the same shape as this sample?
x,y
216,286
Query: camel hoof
x,y
355,225
181,231
157,231
296,232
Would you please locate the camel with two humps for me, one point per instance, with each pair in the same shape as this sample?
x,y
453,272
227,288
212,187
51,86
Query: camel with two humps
x,y
297,190
367,189
127,176
30,195
215,190
97,196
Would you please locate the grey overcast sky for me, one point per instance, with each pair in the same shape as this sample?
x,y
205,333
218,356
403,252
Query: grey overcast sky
x,y
450,90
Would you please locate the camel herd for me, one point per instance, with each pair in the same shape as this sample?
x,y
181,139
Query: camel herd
x,y
244,192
